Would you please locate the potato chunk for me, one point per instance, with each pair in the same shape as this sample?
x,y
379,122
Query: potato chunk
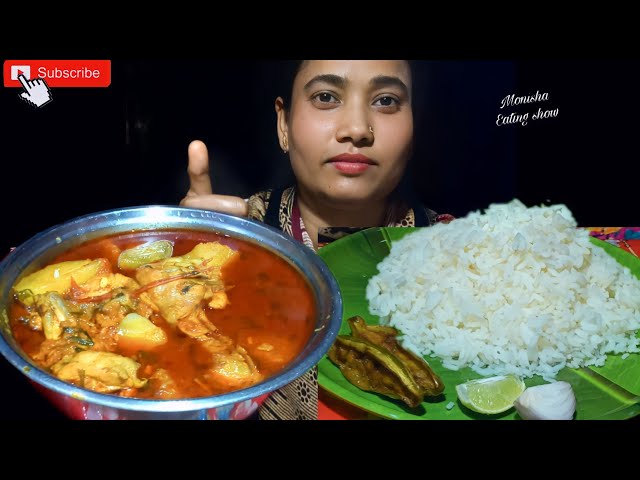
x,y
57,277
138,329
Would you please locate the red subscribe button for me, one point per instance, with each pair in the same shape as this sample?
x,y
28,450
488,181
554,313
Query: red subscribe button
x,y
59,73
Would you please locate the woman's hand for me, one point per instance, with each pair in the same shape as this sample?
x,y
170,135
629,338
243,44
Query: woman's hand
x,y
200,194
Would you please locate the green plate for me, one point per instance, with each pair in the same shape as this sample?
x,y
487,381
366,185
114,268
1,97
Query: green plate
x,y
609,392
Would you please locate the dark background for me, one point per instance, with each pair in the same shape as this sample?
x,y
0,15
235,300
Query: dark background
x,y
97,149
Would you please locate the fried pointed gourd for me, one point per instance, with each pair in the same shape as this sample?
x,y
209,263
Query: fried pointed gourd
x,y
373,369
372,360
386,337
135,257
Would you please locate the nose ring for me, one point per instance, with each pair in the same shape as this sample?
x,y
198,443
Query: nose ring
x,y
370,128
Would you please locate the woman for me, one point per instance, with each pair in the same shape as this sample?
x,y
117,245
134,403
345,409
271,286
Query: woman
x,y
348,131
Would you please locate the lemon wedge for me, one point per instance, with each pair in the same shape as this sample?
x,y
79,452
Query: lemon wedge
x,y
490,395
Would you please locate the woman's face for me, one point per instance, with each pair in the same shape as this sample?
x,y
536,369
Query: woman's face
x,y
350,128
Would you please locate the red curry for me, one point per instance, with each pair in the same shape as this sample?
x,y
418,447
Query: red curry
x,y
179,327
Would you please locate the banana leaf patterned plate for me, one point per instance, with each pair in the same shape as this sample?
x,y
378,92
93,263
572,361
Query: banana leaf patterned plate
x,y
608,392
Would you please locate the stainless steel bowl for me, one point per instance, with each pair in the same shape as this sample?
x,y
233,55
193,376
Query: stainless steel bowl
x,y
81,403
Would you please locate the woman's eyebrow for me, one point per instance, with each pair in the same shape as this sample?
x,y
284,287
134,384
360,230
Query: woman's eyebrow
x,y
382,81
329,78
377,82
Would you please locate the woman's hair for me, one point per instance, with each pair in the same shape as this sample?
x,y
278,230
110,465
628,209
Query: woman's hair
x,y
287,71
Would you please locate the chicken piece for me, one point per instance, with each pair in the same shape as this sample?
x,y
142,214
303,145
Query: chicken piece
x,y
106,339
99,319
163,385
54,351
96,288
197,325
114,310
231,365
102,372
75,336
271,350
145,306
101,313
219,300
53,314
175,299
233,370
178,285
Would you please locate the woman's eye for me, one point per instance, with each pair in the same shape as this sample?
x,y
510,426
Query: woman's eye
x,y
325,97
386,102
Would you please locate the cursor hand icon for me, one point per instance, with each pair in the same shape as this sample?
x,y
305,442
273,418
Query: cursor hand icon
x,y
36,92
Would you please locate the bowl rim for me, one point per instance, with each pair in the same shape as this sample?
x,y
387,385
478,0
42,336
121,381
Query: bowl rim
x,y
295,253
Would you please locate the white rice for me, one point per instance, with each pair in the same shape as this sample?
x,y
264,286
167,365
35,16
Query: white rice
x,y
512,290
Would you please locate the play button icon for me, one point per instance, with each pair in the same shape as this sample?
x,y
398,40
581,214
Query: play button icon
x,y
20,70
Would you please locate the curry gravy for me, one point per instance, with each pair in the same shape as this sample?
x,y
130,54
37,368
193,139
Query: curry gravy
x,y
271,311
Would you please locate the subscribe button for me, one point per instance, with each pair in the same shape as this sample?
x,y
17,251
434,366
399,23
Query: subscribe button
x,y
59,73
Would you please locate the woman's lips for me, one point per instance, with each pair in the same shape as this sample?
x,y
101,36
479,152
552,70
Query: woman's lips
x,y
351,163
